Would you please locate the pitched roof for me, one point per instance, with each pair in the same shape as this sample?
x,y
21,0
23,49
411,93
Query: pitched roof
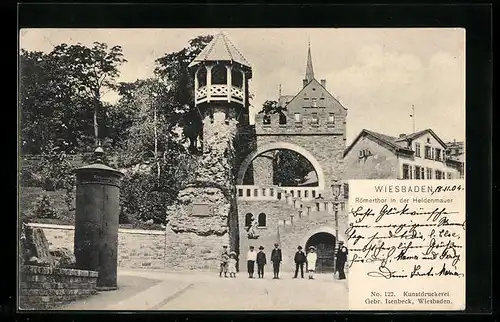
x,y
220,49
284,99
418,134
391,141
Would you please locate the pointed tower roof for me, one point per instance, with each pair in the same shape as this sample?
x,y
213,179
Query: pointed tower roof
x,y
220,49
309,68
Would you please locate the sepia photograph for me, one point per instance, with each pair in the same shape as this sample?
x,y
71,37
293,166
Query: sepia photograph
x,y
208,169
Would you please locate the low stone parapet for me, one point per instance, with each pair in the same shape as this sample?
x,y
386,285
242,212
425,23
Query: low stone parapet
x,y
46,287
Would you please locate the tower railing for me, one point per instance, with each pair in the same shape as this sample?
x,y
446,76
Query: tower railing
x,y
220,92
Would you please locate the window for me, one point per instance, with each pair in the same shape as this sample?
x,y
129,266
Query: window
x,y
406,172
429,173
262,220
450,176
438,154
248,220
419,172
315,119
305,194
313,193
428,152
255,192
314,102
263,192
293,193
297,118
219,74
298,193
364,153
236,78
240,192
282,118
439,174
331,118
249,193
271,192
202,76
417,150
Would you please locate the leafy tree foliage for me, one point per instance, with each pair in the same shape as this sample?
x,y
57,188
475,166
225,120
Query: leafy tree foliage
x,y
290,168
172,68
271,107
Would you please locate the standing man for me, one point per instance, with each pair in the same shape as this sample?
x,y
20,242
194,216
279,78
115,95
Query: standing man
x,y
276,259
300,259
341,260
261,261
251,258
223,261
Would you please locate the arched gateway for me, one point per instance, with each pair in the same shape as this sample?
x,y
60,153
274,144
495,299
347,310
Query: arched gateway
x,y
281,146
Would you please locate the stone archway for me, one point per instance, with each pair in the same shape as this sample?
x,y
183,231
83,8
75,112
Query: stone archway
x,y
281,146
325,249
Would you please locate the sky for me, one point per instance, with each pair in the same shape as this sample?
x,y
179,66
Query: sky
x,y
377,74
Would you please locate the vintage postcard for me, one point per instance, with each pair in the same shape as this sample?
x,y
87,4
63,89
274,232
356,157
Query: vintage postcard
x,y
242,169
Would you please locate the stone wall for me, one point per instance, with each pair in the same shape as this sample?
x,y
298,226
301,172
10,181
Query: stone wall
x,y
136,248
291,234
46,287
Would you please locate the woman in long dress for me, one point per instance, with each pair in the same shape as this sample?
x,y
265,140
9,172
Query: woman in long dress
x,y
311,262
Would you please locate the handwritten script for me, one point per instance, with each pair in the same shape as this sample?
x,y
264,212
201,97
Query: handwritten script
x,y
396,236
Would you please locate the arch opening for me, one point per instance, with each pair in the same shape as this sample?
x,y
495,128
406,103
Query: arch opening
x,y
262,220
282,146
248,219
325,248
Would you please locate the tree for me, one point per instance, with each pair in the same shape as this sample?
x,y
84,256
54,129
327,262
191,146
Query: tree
x,y
290,168
271,107
178,102
90,71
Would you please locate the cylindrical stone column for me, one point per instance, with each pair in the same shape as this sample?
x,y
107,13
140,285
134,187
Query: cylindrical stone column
x,y
96,222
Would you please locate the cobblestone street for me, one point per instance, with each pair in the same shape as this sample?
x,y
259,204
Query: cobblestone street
x,y
158,290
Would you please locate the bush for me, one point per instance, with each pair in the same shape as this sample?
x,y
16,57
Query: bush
x,y
43,208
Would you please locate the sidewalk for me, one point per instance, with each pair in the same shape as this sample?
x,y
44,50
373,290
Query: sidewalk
x,y
161,290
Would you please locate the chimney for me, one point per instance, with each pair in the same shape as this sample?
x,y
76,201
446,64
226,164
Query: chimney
x,y
402,135
323,83
304,83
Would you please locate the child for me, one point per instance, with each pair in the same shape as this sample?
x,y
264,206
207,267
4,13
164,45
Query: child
x,y
231,264
311,262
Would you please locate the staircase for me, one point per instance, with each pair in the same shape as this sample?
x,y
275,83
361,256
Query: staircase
x,y
290,221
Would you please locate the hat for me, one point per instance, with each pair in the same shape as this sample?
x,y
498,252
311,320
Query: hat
x,y
300,247
261,247
232,253
225,246
251,247
275,244
312,247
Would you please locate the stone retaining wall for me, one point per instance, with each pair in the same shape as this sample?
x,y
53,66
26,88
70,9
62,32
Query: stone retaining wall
x,y
136,248
45,287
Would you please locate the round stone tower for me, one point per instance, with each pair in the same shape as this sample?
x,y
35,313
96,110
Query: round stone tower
x,y
205,215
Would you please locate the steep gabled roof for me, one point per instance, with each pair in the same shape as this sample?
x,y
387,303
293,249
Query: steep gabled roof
x,y
315,82
390,141
220,49
418,134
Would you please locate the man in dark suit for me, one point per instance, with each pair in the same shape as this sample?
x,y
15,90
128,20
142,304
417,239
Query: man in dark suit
x,y
261,262
300,259
276,259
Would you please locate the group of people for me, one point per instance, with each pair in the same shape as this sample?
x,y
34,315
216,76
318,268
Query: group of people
x,y
229,261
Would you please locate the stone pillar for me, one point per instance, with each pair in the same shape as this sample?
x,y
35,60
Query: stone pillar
x,y
204,216
96,221
263,169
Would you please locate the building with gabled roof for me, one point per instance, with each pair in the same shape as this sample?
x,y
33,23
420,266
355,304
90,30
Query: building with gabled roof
x,y
419,155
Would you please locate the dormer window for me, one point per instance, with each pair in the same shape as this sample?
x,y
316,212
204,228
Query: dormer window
x,y
364,153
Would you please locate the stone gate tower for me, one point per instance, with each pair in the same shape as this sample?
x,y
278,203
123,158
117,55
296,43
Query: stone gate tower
x,y
205,215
